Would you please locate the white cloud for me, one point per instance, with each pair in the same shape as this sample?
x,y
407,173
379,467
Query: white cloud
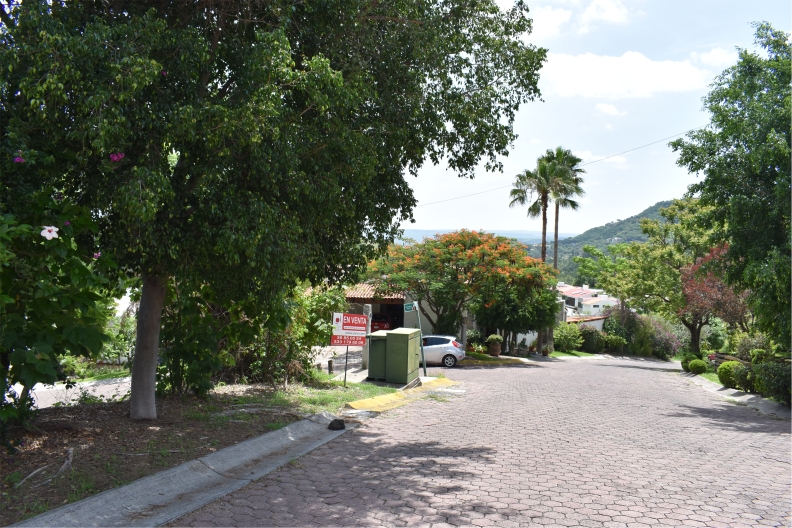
x,y
609,109
586,155
606,10
717,57
628,76
534,140
608,127
547,22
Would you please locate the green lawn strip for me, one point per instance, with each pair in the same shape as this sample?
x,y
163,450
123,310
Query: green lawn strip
x,y
570,354
475,359
711,375
326,395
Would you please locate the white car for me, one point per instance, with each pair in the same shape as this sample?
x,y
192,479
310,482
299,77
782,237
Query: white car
x,y
445,350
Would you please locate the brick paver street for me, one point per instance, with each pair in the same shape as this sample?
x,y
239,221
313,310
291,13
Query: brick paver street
x,y
612,443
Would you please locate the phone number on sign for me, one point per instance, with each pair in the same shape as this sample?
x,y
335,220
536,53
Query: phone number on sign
x,y
342,340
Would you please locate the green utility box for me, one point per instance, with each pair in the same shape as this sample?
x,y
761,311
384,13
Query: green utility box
x,y
376,364
403,356
394,355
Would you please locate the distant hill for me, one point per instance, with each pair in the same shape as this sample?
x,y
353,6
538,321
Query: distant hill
x,y
620,231
526,237
627,230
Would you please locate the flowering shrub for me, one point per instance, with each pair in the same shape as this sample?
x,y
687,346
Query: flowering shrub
x,y
53,296
593,340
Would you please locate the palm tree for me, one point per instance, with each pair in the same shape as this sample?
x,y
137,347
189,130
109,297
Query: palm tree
x,y
567,186
541,183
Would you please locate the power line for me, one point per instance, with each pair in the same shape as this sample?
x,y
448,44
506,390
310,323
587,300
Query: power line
x,y
589,163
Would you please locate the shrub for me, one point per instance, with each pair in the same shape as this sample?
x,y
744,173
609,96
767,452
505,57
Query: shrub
x,y
774,380
593,339
741,344
697,366
714,335
726,373
686,359
495,338
474,337
743,378
566,337
613,342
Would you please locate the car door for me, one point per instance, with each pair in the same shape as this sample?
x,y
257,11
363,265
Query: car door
x,y
434,348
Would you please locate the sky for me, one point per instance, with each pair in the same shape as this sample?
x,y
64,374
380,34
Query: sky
x,y
620,74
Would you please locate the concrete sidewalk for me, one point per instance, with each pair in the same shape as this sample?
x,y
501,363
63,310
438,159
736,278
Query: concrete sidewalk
x,y
160,498
165,496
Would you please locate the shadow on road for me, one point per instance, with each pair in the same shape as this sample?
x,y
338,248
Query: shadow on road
x,y
642,367
735,418
424,479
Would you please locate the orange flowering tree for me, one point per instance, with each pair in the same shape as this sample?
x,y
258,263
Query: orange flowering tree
x,y
452,272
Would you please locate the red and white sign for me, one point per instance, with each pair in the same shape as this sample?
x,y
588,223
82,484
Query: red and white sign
x,y
345,340
346,324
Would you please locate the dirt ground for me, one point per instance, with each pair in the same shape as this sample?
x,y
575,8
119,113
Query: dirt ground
x,y
109,450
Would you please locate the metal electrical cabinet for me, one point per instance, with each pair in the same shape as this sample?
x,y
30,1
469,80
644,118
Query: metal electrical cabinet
x,y
394,355
376,365
403,355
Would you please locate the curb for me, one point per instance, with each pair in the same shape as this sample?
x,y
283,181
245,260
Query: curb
x,y
391,401
741,398
165,496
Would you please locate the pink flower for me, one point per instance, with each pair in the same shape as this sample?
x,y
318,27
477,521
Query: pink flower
x,y
97,255
116,157
19,159
164,73
49,232
66,223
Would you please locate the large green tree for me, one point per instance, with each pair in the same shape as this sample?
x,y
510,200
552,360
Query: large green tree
x,y
249,144
744,156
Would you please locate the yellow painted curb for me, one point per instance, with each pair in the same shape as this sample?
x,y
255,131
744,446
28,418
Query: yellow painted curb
x,y
397,399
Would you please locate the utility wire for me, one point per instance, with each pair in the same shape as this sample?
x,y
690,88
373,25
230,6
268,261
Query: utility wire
x,y
589,163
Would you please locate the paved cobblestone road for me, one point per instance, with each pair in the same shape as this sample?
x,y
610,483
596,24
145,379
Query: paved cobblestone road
x,y
611,443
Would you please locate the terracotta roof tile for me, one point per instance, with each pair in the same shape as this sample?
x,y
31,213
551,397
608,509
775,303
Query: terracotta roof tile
x,y
366,292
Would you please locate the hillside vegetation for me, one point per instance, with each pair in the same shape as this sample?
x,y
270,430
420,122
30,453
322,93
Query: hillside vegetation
x,y
627,230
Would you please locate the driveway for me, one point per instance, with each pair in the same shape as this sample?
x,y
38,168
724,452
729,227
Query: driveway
x,y
611,443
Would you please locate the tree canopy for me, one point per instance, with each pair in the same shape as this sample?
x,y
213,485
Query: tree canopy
x,y
454,272
744,157
246,145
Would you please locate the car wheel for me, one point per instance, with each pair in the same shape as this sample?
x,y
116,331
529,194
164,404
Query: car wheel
x,y
449,361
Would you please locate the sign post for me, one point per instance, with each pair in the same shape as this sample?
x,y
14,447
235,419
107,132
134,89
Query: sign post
x,y
413,307
348,330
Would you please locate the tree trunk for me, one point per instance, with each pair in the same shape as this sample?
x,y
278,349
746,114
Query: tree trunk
x,y
555,240
695,335
544,230
144,366
540,341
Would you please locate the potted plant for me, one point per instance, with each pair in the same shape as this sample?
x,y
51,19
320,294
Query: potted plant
x,y
494,344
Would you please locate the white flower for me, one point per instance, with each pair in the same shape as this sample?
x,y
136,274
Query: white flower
x,y
49,232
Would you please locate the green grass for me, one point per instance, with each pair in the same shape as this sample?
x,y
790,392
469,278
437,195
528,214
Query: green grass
x,y
91,372
325,395
481,357
711,375
558,353
476,359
